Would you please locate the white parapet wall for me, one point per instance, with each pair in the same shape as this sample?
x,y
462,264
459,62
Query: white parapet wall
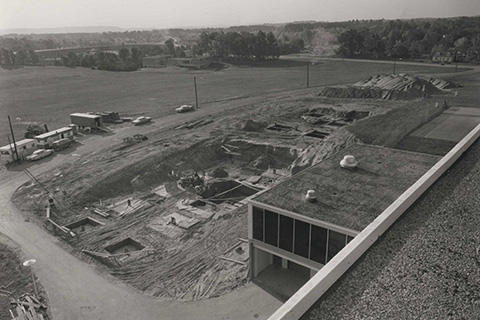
x,y
307,295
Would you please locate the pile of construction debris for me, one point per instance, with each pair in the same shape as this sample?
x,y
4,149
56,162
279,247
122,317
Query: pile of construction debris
x,y
27,307
391,87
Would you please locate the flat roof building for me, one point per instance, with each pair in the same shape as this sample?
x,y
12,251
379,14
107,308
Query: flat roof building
x,y
287,229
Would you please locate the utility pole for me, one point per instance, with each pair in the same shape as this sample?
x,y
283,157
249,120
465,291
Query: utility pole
x,y
308,75
10,145
394,65
196,95
13,138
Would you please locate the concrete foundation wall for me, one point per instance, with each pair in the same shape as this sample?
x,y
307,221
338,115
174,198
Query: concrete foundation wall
x,y
262,260
304,298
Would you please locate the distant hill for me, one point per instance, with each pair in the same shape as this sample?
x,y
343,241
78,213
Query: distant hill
x,y
92,29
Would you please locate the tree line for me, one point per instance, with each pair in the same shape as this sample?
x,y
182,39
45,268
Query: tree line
x,y
9,58
243,46
412,38
125,60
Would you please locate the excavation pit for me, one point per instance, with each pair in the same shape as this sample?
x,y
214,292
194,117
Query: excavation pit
x,y
200,204
337,124
83,225
231,191
125,246
317,134
279,127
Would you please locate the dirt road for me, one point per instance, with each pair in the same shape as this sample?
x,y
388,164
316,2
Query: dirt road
x,y
76,290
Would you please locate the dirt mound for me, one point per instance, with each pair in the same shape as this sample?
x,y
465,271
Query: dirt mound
x,y
390,87
253,126
371,93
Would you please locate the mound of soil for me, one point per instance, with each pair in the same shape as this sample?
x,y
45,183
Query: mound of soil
x,y
371,93
253,126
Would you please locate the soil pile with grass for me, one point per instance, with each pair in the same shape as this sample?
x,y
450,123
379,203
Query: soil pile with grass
x,y
390,87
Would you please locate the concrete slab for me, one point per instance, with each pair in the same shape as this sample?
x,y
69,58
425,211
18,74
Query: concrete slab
x,y
122,208
169,230
181,220
162,191
452,125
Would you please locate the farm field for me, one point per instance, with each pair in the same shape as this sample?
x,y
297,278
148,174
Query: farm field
x,y
50,94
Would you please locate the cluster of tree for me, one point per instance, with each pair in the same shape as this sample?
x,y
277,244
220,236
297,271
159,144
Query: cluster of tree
x,y
126,60
412,38
10,58
238,45
61,39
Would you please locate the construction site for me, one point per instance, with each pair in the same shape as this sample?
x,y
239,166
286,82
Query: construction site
x,y
167,215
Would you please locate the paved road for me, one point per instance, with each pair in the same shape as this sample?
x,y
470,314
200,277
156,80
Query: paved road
x,y
76,290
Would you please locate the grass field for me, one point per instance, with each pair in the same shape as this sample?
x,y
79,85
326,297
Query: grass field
x,y
50,94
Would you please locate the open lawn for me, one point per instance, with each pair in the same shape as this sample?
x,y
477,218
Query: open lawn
x,y
50,94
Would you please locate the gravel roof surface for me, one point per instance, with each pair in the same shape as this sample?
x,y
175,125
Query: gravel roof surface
x,y
351,198
427,265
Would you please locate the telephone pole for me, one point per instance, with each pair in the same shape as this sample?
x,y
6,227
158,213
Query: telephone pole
x,y
196,95
13,138
308,75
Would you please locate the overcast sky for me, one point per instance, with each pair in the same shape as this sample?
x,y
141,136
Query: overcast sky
x,y
207,13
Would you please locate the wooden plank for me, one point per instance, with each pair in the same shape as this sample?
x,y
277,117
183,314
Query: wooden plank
x,y
38,301
20,314
232,260
232,247
58,226
30,300
101,213
34,314
23,303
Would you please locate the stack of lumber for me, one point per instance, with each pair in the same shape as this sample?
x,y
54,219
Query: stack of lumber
x,y
26,307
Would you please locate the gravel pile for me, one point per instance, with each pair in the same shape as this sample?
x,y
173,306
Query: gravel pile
x,y
427,266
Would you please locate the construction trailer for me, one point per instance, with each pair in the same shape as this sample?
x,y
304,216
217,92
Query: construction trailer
x,y
86,120
25,147
44,141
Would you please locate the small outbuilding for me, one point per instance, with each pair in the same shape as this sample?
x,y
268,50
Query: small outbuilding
x,y
25,147
86,120
44,141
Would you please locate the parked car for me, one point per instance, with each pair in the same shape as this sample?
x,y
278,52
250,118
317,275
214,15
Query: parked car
x,y
141,120
62,144
39,154
184,108
140,137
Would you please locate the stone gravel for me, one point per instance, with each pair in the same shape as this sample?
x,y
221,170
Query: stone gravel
x,y
427,265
